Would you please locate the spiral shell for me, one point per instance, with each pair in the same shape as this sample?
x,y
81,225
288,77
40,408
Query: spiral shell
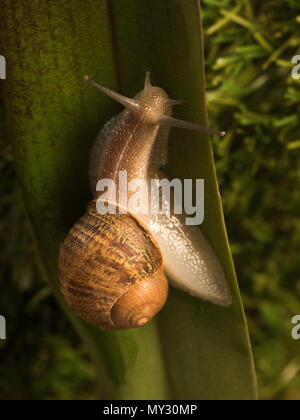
x,y
110,271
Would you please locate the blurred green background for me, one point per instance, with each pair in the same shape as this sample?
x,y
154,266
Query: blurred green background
x,y
251,94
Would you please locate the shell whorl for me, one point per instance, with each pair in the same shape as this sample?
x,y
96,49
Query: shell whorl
x,y
110,271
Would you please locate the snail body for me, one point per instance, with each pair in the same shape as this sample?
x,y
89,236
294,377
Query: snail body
x,y
97,270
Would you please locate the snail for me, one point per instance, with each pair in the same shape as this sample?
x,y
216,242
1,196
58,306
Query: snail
x,y
112,267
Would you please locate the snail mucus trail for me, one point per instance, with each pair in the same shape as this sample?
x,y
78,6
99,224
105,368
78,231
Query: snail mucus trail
x,y
112,267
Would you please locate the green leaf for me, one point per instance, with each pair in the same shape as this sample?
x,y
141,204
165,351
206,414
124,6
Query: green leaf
x,y
193,349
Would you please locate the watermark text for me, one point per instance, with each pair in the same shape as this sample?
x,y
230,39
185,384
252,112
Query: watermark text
x,y
2,67
155,196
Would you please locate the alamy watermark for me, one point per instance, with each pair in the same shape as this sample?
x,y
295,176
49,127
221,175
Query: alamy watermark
x,y
2,67
2,328
296,329
155,196
296,68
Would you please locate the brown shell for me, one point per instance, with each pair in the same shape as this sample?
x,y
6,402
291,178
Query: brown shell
x,y
110,270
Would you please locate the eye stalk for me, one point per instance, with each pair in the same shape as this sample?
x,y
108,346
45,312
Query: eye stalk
x,y
174,122
128,103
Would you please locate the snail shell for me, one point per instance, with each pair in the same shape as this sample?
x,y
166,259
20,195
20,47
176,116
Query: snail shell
x,y
110,271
